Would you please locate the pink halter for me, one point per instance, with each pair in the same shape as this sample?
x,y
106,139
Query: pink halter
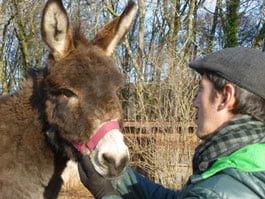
x,y
92,143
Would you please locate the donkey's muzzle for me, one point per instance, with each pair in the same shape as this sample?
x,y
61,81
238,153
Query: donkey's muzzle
x,y
115,166
111,155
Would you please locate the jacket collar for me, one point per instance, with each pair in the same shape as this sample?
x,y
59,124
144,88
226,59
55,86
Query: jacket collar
x,y
238,160
238,133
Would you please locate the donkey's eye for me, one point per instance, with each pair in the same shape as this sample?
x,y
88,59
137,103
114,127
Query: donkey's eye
x,y
67,93
64,91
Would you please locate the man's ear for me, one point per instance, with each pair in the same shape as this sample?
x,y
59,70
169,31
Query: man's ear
x,y
227,98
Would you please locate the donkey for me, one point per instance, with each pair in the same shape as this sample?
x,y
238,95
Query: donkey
x,y
67,110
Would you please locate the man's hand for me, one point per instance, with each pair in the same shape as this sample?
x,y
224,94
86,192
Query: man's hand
x,y
95,183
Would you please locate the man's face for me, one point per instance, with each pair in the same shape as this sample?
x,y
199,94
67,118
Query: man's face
x,y
208,116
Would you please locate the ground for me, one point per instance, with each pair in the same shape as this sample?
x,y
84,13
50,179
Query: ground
x,y
79,192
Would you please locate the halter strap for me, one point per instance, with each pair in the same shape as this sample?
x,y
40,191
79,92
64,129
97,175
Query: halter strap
x,y
92,143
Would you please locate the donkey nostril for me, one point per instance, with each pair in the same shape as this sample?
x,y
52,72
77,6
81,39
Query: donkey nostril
x,y
123,163
108,159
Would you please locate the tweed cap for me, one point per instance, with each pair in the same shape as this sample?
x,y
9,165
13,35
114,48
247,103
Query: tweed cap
x,y
244,67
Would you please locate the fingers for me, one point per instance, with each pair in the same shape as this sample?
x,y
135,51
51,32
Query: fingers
x,y
87,168
80,170
83,178
94,182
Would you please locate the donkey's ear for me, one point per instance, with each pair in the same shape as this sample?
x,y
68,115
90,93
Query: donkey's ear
x,y
111,34
55,29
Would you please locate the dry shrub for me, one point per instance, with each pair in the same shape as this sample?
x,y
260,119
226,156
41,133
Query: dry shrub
x,y
162,153
163,96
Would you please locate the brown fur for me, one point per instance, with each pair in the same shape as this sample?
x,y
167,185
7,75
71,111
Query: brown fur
x,y
37,124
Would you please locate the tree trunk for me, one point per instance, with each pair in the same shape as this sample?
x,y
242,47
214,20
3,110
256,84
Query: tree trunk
x,y
231,23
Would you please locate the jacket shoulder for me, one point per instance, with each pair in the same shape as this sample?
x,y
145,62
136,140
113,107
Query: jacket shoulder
x,y
232,184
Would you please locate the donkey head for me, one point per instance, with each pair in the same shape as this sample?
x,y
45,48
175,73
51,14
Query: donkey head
x,y
81,85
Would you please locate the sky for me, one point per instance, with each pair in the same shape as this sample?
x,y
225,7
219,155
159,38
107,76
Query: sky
x,y
210,4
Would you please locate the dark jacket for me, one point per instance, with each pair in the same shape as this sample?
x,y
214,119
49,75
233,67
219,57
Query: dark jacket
x,y
240,175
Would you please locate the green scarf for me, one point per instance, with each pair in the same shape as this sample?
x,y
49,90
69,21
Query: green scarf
x,y
238,133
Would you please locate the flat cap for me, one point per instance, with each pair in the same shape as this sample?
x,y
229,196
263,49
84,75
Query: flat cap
x,y
244,67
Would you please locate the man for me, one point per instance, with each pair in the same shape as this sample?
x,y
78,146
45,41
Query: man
x,y
230,161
